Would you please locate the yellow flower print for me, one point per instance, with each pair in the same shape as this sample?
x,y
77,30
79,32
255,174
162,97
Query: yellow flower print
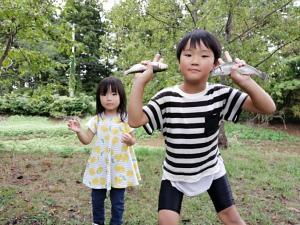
x,y
106,137
93,159
119,169
115,140
97,149
118,157
92,171
125,158
102,181
118,180
121,157
99,170
95,181
104,128
117,120
129,173
115,131
124,147
127,129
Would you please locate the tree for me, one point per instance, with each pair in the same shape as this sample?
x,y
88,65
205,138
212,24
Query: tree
x,y
24,27
91,64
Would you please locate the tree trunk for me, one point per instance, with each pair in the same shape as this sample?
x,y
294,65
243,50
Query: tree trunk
x,y
222,139
9,43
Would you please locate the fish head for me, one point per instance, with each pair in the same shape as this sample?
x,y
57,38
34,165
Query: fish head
x,y
163,66
221,70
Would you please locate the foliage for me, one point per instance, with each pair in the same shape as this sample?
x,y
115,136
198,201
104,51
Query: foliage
x,y
90,26
262,33
24,29
46,105
36,41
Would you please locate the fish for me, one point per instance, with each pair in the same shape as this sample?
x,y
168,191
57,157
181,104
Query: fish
x,y
225,69
139,68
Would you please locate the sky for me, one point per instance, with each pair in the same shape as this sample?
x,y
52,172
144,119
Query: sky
x,y
107,4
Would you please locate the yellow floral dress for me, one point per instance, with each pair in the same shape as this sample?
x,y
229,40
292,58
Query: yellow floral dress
x,y
111,162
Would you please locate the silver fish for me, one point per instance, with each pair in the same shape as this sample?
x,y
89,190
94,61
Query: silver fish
x,y
225,69
139,68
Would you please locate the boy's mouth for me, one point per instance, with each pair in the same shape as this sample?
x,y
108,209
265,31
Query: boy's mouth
x,y
195,70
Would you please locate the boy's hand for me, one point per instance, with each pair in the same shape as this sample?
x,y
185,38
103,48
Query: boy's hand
x,y
147,75
235,76
74,125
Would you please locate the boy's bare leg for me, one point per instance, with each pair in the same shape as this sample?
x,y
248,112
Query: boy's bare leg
x,y
230,216
168,217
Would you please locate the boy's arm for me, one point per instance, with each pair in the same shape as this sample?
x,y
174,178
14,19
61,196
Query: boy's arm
x,y
258,100
136,115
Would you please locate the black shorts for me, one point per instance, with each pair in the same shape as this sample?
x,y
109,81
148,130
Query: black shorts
x,y
220,194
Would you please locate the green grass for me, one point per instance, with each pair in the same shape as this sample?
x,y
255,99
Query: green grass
x,y
42,164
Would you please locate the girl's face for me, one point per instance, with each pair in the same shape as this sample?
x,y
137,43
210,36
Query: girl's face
x,y
110,101
196,63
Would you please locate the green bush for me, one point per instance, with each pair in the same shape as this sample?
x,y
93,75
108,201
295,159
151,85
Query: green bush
x,y
47,105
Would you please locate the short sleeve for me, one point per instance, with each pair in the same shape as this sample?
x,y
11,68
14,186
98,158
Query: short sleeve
x,y
154,114
233,106
92,124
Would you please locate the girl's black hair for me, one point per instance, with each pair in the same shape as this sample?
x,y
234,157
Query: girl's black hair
x,y
209,40
116,86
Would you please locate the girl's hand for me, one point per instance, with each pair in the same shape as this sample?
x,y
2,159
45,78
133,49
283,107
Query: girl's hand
x,y
127,139
74,125
147,75
235,76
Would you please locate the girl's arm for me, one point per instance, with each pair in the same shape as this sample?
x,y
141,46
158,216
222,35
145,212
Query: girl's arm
x,y
136,116
85,137
129,139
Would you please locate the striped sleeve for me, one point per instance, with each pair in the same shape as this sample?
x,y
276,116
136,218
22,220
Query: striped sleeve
x,y
154,114
234,105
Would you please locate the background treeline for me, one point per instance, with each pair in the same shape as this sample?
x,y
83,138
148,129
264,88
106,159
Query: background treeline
x,y
53,56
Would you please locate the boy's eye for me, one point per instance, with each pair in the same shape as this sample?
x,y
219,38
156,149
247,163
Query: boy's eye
x,y
187,54
205,56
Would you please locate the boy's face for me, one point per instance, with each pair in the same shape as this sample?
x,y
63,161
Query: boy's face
x,y
196,63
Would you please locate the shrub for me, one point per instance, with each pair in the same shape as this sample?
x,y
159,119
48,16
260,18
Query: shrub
x,y
47,105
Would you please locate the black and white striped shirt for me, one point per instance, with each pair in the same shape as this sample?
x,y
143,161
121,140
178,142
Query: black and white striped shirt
x,y
190,126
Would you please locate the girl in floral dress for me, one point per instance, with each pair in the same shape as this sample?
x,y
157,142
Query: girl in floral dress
x,y
112,165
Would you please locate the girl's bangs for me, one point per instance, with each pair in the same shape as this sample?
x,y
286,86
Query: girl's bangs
x,y
106,86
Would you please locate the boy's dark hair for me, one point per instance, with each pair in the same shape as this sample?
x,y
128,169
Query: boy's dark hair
x,y
116,86
209,40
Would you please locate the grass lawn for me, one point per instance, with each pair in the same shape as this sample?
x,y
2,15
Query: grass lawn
x,y
42,163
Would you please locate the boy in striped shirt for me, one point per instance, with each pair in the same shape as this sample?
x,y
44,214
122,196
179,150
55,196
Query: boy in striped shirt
x,y
189,115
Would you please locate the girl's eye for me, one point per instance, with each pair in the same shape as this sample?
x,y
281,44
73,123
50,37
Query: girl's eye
x,y
114,93
188,55
205,56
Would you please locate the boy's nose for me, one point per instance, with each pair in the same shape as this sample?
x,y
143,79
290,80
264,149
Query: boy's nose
x,y
195,60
